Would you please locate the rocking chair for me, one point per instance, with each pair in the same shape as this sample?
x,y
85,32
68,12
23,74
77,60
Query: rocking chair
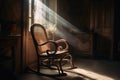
x,y
51,54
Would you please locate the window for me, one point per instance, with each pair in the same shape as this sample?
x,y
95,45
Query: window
x,y
42,12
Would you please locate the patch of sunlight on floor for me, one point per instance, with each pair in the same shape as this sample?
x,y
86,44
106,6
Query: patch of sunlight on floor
x,y
91,74
49,71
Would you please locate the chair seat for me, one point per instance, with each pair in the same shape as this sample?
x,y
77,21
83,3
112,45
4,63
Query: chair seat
x,y
58,53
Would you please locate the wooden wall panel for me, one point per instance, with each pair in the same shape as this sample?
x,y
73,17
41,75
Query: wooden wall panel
x,y
10,11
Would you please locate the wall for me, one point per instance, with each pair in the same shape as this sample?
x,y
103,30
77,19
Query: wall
x,y
95,19
10,11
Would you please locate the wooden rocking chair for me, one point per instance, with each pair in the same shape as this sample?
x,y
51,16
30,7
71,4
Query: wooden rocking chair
x,y
51,54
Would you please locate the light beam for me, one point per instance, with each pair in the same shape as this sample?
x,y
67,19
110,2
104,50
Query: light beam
x,y
63,28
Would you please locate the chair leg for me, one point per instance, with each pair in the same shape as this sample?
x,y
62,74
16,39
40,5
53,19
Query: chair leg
x,y
71,62
58,68
61,68
60,65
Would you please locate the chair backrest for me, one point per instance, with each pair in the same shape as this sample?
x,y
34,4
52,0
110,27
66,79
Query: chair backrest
x,y
39,36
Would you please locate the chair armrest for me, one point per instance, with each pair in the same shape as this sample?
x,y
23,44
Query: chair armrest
x,y
62,42
50,52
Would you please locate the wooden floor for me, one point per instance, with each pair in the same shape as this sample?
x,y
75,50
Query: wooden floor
x,y
87,69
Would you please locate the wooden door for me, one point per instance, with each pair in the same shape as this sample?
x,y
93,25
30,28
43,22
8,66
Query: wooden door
x,y
101,23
